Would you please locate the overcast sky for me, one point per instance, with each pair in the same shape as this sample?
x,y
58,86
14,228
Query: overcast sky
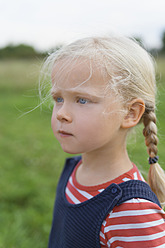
x,y
46,23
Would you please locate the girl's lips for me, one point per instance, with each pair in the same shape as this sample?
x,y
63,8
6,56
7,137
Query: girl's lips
x,y
64,134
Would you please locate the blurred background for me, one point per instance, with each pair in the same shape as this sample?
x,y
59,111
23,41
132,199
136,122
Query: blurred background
x,y
30,158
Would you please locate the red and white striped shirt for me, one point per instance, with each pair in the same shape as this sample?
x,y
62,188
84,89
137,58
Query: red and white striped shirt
x,y
136,223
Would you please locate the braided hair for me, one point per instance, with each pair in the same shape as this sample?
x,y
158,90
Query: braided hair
x,y
156,176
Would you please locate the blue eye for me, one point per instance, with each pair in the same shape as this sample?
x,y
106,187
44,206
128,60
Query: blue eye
x,y
82,100
59,99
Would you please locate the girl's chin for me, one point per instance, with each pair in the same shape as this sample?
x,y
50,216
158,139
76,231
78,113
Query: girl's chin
x,y
69,150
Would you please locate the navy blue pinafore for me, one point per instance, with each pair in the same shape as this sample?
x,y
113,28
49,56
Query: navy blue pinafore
x,y
78,225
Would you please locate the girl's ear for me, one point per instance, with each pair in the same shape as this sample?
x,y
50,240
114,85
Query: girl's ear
x,y
135,111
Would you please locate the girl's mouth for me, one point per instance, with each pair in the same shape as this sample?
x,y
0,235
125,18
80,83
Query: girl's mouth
x,y
64,134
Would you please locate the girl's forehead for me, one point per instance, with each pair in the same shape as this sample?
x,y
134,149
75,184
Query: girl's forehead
x,y
78,74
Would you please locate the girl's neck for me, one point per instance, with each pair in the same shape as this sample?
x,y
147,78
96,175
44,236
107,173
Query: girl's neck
x,y
102,167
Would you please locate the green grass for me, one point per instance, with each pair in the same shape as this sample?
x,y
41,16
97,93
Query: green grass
x,y
31,159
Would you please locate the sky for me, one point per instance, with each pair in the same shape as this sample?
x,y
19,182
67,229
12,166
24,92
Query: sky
x,y
45,24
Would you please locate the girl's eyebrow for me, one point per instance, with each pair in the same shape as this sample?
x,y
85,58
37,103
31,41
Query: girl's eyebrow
x,y
75,92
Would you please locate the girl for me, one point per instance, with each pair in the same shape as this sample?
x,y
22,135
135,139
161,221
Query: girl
x,y
102,88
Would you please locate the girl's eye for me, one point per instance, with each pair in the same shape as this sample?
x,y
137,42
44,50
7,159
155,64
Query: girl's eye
x,y
59,99
83,100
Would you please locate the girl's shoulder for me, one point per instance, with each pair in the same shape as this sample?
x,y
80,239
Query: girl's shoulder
x,y
138,221
132,174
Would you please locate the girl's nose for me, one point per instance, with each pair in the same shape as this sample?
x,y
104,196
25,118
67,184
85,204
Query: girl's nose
x,y
63,115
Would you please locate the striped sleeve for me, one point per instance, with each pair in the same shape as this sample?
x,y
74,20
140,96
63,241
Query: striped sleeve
x,y
135,223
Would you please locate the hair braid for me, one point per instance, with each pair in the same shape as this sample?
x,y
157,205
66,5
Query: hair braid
x,y
150,133
156,175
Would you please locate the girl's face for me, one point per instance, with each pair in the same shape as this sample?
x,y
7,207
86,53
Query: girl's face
x,y
84,118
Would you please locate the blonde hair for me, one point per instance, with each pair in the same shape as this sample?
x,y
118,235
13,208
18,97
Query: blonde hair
x,y
131,75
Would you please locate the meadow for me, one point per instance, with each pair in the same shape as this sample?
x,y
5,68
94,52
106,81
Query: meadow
x,y
31,159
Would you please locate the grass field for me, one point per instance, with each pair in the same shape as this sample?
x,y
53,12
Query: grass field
x,y
31,159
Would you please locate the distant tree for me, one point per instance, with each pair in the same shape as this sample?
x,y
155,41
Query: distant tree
x,y
163,43
51,50
18,51
24,51
153,51
54,49
139,41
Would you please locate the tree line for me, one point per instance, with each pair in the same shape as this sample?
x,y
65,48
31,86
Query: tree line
x,y
23,51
